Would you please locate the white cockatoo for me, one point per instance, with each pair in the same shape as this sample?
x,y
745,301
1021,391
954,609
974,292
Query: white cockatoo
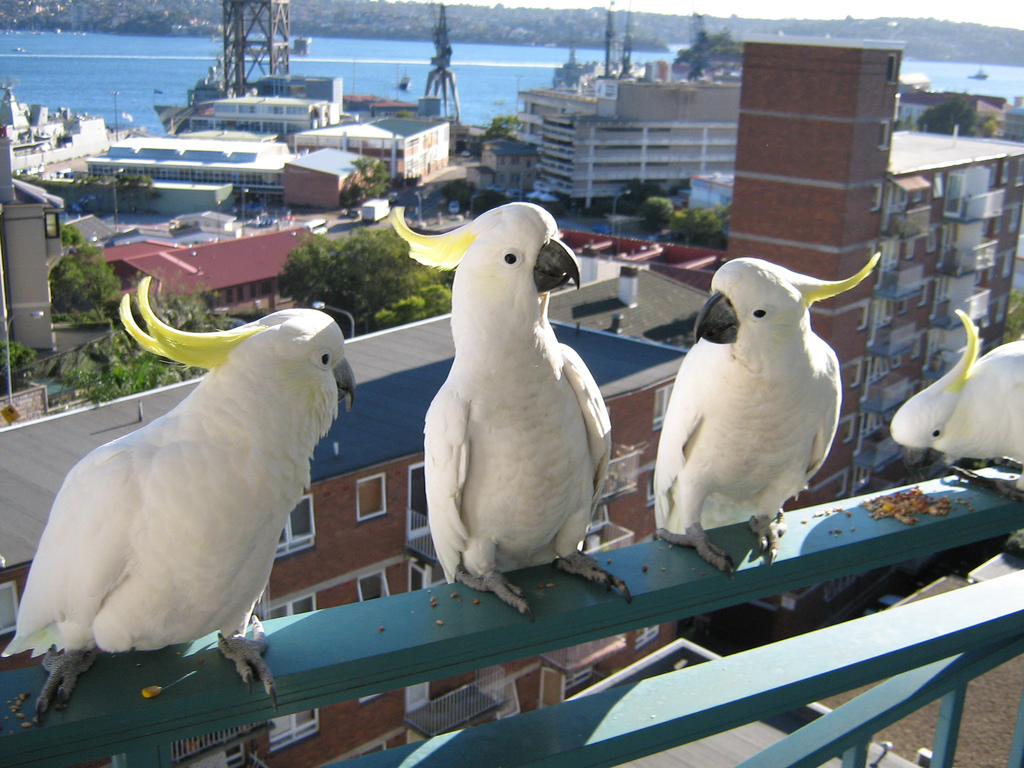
x,y
753,411
518,438
168,533
976,411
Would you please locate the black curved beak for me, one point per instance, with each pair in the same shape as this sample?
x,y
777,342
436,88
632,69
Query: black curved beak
x,y
346,382
717,321
923,462
556,265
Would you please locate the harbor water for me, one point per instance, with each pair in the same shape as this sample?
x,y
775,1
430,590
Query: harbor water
x,y
83,72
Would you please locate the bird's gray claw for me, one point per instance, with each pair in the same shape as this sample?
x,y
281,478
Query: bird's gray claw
x,y
496,583
64,669
248,658
584,565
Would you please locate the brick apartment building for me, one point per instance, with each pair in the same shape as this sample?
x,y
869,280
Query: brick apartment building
x,y
822,182
361,532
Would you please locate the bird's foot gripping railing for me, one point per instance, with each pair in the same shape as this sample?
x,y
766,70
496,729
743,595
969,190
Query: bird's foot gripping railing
x,y
929,649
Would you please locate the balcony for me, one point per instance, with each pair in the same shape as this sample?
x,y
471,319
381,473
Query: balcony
x,y
924,651
606,538
884,400
622,473
985,205
963,261
462,706
417,536
876,455
569,660
909,224
893,341
899,284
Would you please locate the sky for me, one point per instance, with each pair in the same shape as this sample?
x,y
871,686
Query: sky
x,y
998,14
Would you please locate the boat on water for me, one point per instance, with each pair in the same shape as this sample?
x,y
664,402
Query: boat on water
x,y
981,74
300,46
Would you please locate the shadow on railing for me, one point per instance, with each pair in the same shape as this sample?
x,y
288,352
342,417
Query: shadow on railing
x,y
929,648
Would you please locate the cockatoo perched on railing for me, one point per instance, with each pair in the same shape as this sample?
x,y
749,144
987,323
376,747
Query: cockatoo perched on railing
x,y
517,440
753,411
975,411
168,534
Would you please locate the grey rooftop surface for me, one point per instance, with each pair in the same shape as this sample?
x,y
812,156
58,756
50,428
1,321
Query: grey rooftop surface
x,y
914,151
398,372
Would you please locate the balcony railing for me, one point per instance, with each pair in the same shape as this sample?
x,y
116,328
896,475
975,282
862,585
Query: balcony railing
x,y
899,284
908,224
417,536
568,660
930,648
893,340
622,473
962,261
985,205
876,455
884,400
459,707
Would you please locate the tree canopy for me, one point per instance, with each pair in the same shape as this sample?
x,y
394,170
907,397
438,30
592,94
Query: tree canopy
x,y
957,111
502,127
655,213
702,226
83,286
364,273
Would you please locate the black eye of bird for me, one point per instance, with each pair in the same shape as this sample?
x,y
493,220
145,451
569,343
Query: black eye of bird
x,y
325,358
511,258
759,313
936,433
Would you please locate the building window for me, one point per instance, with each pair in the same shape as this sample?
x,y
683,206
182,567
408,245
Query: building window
x,y
371,498
883,134
300,530
932,241
52,224
423,575
661,397
373,586
8,607
291,607
891,68
1014,222
1004,171
856,371
645,636
291,728
1020,171
876,204
938,185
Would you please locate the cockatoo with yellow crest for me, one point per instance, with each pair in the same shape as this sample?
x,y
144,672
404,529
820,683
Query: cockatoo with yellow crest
x,y
974,411
517,440
753,411
168,533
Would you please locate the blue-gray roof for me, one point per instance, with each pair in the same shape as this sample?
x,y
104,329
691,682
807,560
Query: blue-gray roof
x,y
398,374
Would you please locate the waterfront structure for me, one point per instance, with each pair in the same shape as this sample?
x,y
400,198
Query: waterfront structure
x,y
255,39
410,148
39,138
275,116
362,532
822,184
664,133
256,166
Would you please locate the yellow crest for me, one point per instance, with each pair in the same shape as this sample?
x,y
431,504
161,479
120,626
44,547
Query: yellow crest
x,y
824,289
440,251
202,350
970,354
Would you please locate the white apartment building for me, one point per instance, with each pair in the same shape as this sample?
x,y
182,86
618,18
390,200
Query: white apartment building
x,y
266,115
591,146
410,148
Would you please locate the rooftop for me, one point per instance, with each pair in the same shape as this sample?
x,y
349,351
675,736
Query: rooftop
x,y
914,151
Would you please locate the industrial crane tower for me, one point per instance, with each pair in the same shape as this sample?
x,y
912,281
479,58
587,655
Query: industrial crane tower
x,y
256,34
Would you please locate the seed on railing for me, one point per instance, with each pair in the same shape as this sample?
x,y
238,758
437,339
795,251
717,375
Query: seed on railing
x,y
150,691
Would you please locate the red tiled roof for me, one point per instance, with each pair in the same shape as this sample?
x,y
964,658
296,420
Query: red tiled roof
x,y
210,266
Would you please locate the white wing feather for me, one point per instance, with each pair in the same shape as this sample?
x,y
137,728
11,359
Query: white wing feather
x,y
446,453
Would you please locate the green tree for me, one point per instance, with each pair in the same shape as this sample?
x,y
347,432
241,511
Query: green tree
x,y
460,190
363,273
82,285
1014,328
956,111
371,180
488,199
21,357
502,127
656,213
431,301
700,226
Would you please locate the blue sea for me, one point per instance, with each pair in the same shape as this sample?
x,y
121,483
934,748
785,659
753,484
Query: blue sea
x,y
82,71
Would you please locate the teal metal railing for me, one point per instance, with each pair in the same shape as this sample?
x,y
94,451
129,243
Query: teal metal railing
x,y
926,650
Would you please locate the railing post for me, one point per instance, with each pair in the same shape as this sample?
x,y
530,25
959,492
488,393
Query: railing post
x,y
856,757
947,729
1016,757
154,757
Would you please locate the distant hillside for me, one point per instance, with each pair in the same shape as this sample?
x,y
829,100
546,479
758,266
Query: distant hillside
x,y
925,39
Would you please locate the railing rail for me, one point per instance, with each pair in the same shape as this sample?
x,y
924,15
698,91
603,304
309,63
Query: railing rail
x,y
338,654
